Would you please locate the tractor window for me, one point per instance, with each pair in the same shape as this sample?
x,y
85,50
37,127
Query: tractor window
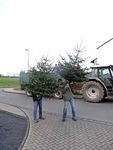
x,y
94,72
111,72
104,73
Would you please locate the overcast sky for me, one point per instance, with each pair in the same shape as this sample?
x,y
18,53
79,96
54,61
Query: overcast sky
x,y
51,27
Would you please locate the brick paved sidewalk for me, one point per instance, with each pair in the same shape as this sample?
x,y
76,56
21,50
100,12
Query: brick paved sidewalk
x,y
53,134
84,134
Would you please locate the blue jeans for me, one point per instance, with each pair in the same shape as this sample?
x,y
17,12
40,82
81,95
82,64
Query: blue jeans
x,y
36,104
73,108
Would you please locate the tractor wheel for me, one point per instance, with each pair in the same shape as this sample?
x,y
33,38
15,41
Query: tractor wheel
x,y
27,92
92,92
58,94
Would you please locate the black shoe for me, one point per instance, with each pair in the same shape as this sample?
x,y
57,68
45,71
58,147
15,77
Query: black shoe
x,y
35,121
74,119
41,118
63,120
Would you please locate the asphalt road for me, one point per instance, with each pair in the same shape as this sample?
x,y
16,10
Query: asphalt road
x,y
98,111
12,130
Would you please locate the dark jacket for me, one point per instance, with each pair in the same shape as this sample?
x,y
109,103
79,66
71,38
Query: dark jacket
x,y
36,97
66,90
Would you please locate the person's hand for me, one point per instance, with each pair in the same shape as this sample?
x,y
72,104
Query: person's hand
x,y
67,85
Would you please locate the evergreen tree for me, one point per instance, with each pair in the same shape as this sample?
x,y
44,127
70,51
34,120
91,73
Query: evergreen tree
x,y
42,80
71,69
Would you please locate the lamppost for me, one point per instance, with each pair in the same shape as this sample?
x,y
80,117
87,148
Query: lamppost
x,y
27,58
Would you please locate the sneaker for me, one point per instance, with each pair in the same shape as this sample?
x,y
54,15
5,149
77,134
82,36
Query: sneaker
x,y
74,119
35,120
63,120
41,118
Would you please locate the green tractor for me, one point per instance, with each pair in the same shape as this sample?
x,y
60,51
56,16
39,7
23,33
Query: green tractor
x,y
99,84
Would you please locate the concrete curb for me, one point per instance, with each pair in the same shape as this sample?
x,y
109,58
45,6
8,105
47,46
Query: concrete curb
x,y
12,90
